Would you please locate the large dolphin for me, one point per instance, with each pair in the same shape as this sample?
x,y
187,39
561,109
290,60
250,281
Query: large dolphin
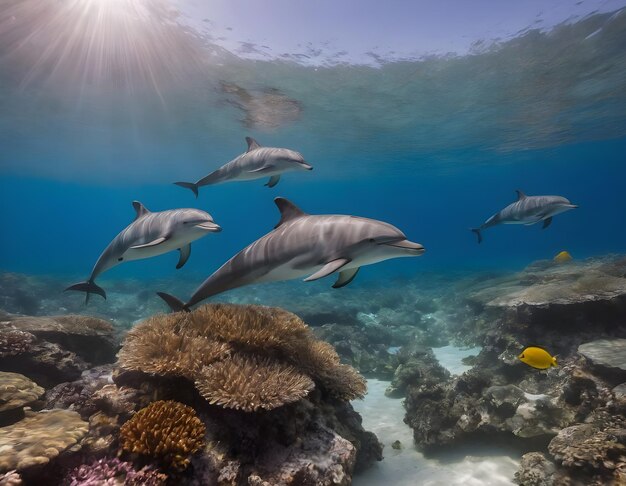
x,y
150,234
527,210
303,245
256,163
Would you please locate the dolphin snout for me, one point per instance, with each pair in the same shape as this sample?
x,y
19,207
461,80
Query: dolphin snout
x,y
412,247
209,226
306,166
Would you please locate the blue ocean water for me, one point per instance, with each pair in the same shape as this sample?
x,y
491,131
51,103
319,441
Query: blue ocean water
x,y
433,145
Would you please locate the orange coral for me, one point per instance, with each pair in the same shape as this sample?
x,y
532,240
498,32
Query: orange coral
x,y
166,430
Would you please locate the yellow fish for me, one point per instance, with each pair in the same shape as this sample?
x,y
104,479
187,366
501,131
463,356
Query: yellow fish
x,y
563,257
537,358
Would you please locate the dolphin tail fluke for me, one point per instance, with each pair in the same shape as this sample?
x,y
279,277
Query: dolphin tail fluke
x,y
89,288
174,304
189,185
478,235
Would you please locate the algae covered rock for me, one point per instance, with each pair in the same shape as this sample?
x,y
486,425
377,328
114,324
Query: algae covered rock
x,y
38,438
535,469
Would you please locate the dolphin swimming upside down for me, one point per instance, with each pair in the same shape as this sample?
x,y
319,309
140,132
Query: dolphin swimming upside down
x,y
256,163
304,245
527,210
150,234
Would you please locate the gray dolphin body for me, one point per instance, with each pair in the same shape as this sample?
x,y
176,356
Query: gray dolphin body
x,y
528,210
256,163
303,245
150,234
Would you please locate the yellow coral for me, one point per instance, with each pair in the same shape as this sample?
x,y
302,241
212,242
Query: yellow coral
x,y
251,383
166,430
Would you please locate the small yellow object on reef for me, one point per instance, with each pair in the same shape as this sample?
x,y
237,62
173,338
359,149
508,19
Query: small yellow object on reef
x,y
537,358
563,257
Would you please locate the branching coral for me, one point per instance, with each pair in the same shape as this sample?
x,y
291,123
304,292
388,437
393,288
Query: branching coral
x,y
252,383
242,357
165,430
159,347
113,472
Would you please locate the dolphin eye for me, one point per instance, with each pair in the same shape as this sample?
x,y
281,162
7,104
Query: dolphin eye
x,y
371,240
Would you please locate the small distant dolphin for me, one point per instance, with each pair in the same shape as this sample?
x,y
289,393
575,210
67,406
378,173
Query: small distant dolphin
x,y
528,210
150,234
301,245
257,162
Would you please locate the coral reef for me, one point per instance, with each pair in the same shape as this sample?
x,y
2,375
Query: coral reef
x,y
574,310
39,437
113,472
228,383
14,342
265,341
16,391
166,430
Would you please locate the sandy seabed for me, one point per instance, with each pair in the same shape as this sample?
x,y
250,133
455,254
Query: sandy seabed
x,y
384,416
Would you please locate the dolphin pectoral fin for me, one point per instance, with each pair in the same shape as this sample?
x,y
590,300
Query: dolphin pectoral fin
x,y
478,234
273,181
327,269
156,242
185,251
346,277
547,222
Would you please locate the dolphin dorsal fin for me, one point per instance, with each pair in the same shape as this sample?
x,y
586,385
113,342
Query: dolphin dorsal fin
x,y
288,210
520,195
252,144
140,208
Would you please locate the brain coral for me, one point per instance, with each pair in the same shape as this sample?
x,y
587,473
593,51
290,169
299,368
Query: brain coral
x,y
165,430
39,437
242,357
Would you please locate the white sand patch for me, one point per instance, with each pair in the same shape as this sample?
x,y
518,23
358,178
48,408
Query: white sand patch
x,y
407,467
450,357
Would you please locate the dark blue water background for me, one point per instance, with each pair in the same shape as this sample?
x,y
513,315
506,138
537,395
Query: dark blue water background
x,y
60,228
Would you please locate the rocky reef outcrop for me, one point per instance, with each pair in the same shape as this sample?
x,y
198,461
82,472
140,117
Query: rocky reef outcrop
x,y
571,417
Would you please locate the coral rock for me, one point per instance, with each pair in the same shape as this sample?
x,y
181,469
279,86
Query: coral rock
x,y
13,341
165,430
11,478
535,470
606,354
39,437
16,391
89,337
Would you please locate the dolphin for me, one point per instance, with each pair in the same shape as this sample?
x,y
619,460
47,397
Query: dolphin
x,y
304,245
257,162
150,234
528,210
